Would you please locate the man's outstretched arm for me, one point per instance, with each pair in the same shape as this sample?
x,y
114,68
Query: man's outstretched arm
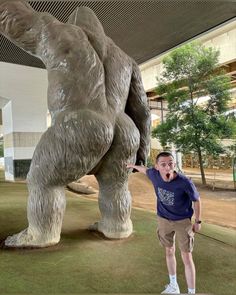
x,y
141,169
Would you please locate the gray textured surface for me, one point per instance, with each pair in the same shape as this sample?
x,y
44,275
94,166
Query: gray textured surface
x,y
100,119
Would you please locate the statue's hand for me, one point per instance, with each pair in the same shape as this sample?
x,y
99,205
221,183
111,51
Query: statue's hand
x,y
9,1
141,158
2,1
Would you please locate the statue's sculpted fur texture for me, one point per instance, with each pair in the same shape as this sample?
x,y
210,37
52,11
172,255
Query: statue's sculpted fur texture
x,y
100,119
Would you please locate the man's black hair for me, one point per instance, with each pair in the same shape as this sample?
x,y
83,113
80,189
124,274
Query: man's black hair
x,y
164,154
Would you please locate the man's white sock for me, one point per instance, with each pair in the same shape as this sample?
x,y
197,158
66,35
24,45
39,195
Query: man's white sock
x,y
173,280
191,291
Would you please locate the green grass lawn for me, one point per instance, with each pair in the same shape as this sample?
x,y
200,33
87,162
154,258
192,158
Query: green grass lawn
x,y
84,262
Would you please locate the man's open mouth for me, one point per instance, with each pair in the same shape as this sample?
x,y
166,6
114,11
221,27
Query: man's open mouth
x,y
168,175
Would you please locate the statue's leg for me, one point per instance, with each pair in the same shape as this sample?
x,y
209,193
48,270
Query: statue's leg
x,y
62,155
114,197
45,210
46,200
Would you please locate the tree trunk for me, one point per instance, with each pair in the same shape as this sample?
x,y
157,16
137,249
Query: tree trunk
x,y
201,165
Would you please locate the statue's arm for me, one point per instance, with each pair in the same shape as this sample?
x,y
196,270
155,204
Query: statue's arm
x,y
138,110
18,23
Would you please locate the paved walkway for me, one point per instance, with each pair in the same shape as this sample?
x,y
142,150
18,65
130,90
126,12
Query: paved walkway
x,y
215,178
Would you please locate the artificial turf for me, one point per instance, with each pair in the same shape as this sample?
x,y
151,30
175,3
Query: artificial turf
x,y
85,262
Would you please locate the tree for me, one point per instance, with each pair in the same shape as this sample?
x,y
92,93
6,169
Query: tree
x,y
232,147
1,148
197,93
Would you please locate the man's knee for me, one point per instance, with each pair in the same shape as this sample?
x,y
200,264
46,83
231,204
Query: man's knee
x,y
170,251
187,257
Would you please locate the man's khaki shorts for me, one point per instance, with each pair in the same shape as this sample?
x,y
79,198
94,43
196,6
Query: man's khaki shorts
x,y
182,229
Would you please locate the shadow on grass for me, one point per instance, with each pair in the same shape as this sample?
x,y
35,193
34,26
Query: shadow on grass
x,y
86,262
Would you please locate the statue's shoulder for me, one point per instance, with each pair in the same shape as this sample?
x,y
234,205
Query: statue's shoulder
x,y
44,19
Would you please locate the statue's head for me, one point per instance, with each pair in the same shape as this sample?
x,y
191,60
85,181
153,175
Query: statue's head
x,y
86,19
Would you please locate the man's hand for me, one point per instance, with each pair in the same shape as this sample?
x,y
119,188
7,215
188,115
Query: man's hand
x,y
197,213
141,169
196,227
128,165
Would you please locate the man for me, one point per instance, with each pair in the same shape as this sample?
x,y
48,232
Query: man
x,y
175,195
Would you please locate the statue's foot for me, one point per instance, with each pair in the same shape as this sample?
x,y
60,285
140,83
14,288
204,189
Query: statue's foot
x,y
113,230
25,239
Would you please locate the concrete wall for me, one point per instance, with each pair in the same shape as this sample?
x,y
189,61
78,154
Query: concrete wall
x,y
23,98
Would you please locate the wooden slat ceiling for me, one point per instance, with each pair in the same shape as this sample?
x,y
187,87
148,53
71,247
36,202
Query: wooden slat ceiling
x,y
142,28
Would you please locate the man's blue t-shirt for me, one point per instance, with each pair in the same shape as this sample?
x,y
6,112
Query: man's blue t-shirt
x,y
174,198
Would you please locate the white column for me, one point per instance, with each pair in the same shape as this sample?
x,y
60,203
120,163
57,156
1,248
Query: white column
x,y
24,90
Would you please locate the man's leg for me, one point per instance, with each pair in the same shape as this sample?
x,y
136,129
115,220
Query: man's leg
x,y
185,237
172,287
166,236
190,272
171,260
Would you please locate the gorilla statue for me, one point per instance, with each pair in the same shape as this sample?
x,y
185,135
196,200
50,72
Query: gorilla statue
x,y
100,120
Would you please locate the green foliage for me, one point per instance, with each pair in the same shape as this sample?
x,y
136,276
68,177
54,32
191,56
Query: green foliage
x,y
149,162
1,148
232,147
197,95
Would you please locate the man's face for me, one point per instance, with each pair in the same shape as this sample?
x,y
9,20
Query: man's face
x,y
166,166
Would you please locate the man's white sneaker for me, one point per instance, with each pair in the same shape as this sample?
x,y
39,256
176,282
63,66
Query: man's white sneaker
x,y
170,289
